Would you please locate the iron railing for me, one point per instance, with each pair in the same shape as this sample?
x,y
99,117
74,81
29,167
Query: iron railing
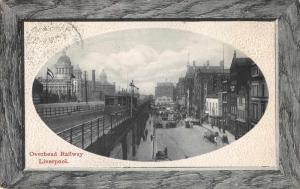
x,y
67,110
83,135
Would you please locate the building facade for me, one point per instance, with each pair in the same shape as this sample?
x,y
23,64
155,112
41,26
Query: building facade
x,y
64,86
207,81
163,100
212,109
239,95
234,99
164,89
97,89
224,103
180,91
71,84
258,95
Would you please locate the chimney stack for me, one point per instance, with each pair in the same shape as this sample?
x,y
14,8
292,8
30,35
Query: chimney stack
x,y
207,64
222,64
94,79
234,54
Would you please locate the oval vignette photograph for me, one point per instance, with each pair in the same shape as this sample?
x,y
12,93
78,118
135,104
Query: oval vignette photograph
x,y
151,94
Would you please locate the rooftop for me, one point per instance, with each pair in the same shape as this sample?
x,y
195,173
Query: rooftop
x,y
164,84
63,60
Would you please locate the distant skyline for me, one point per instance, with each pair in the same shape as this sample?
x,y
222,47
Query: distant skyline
x,y
146,56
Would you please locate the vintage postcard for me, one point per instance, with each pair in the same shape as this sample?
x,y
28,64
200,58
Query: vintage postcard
x,y
150,95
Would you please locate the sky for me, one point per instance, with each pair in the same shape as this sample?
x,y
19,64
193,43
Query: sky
x,y
146,56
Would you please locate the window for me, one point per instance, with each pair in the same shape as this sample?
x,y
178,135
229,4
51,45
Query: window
x,y
255,111
254,71
233,109
225,97
241,101
224,109
262,86
232,88
254,89
264,90
241,115
263,108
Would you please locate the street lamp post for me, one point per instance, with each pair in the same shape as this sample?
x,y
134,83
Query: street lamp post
x,y
131,97
69,90
132,93
85,86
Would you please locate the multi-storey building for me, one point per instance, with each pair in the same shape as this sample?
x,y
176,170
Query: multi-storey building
x,y
180,91
239,95
164,89
224,102
242,120
189,88
207,80
258,95
64,86
212,109
70,83
97,89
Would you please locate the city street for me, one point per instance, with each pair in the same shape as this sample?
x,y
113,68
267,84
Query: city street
x,y
176,143
184,142
180,142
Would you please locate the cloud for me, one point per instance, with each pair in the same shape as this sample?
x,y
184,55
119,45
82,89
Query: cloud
x,y
142,63
148,56
145,65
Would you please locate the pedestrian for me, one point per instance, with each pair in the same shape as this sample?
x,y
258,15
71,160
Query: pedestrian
x,y
225,139
151,137
216,138
166,152
146,132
